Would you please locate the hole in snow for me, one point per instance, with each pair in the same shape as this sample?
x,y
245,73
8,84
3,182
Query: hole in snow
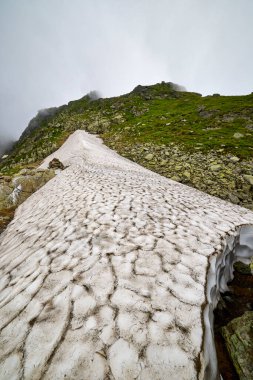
x,y
238,247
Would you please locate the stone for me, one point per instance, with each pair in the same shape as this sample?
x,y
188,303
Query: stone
x,y
149,157
242,268
238,335
7,178
238,135
215,168
176,178
234,159
163,162
187,174
249,127
233,198
25,185
55,164
249,179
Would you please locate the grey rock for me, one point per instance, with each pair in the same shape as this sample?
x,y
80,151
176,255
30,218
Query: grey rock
x,y
215,167
249,179
238,335
234,199
149,157
234,159
238,135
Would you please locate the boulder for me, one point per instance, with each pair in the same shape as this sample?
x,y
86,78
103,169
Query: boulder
x,y
242,268
238,135
234,159
233,198
215,168
149,157
249,179
55,164
238,335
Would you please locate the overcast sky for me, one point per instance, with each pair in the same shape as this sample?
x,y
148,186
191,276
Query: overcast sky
x,y
54,51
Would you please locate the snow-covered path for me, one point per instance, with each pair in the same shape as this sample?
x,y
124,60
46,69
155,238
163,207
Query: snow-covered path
x,y
104,273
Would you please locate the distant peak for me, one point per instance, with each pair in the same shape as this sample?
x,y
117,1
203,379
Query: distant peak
x,y
159,90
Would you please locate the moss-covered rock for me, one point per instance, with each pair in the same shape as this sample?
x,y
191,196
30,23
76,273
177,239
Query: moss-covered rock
x,y
16,189
238,335
242,268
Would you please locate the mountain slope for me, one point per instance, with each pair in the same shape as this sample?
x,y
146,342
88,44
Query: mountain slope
x,y
205,142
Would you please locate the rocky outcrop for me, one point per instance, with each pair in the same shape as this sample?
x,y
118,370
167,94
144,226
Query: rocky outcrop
x,y
238,335
55,163
17,188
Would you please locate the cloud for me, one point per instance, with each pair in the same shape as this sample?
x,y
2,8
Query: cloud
x,y
56,51
5,144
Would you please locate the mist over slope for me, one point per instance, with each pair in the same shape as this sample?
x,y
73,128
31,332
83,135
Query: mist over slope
x,y
6,144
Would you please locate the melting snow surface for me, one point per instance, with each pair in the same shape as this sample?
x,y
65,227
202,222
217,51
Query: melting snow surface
x,y
111,271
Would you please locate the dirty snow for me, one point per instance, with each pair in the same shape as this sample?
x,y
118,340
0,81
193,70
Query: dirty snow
x,y
106,272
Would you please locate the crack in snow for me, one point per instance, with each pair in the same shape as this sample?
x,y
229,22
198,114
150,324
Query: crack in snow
x,y
104,272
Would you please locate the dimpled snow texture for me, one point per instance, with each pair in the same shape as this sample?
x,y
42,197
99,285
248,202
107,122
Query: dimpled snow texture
x,y
111,271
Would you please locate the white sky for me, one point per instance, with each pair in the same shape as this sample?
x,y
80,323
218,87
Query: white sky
x,y
54,51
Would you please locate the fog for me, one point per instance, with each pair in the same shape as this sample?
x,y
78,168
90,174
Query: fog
x,y
54,51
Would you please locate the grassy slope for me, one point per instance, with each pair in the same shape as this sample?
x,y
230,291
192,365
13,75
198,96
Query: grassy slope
x,y
154,119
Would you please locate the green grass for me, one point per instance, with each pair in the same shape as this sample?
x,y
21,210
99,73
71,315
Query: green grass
x,y
151,114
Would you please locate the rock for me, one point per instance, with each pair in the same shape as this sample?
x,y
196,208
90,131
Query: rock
x,y
206,114
5,191
238,335
163,162
55,164
187,174
238,135
249,127
242,268
23,172
176,178
25,185
234,199
149,157
7,178
249,179
248,205
234,159
215,168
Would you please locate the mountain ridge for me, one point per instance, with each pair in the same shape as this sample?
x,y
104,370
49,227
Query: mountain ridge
x,y
204,142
